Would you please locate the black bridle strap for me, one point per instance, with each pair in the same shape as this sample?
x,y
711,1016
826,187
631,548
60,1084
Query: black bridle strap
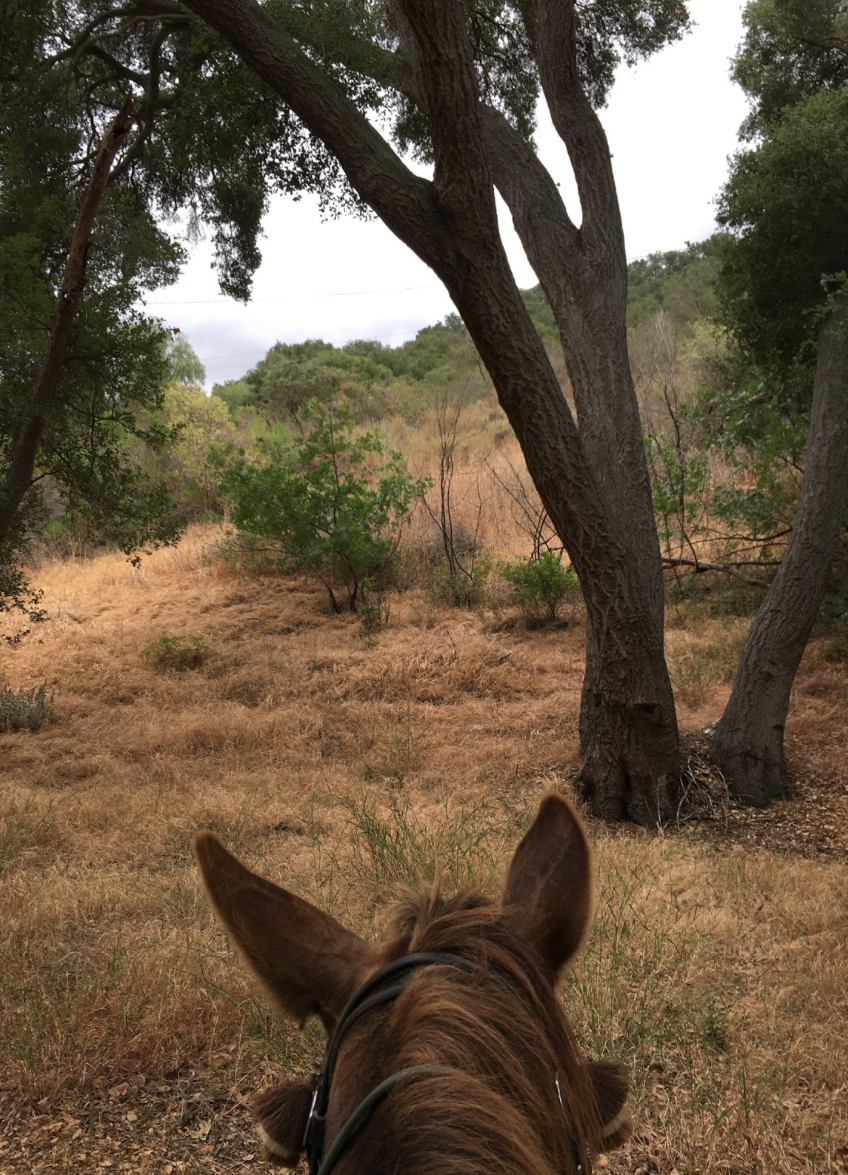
x,y
367,997
364,1109
370,995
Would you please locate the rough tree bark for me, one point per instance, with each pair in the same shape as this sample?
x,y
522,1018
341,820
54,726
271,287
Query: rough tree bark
x,y
748,741
36,412
592,479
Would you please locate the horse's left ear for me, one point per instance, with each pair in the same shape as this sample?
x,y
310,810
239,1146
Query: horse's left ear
x,y
548,894
282,1113
307,961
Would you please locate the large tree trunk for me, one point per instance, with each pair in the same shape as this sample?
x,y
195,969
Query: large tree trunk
x,y
592,480
628,728
748,741
29,429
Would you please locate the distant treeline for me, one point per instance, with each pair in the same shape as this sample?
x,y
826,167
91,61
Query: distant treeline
x,y
382,381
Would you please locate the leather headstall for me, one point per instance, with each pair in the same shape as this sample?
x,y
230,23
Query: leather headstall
x,y
371,995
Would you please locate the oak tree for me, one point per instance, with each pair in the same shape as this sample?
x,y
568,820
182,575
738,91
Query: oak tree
x,y
236,99
457,84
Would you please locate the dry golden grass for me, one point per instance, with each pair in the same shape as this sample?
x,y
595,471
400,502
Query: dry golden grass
x,y
340,767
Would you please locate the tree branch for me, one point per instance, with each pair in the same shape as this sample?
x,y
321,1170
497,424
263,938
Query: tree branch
x,y
579,128
404,201
700,567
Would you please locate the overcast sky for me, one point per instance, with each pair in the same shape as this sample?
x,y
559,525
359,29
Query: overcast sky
x,y
672,122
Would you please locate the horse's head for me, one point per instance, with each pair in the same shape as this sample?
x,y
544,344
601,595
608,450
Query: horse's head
x,y
448,1048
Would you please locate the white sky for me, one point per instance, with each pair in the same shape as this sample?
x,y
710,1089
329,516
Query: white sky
x,y
672,122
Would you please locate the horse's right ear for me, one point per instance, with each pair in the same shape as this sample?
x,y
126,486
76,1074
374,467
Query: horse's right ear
x,y
306,960
548,894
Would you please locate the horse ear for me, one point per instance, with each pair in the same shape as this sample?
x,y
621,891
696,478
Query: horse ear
x,y
282,1113
548,893
306,960
611,1088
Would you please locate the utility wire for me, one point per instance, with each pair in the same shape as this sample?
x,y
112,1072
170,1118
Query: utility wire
x,y
223,301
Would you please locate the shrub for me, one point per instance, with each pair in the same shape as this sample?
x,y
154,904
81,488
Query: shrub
x,y
169,653
542,584
330,504
25,709
465,589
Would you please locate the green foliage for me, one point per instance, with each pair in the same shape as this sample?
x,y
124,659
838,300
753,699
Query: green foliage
x,y
331,504
741,428
786,203
763,445
681,484
16,595
465,587
377,381
540,584
681,283
25,709
184,366
197,424
171,654
792,49
115,365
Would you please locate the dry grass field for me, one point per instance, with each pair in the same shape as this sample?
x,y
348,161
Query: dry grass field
x,y
343,766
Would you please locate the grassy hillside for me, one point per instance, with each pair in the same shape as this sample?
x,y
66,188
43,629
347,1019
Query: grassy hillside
x,y
341,766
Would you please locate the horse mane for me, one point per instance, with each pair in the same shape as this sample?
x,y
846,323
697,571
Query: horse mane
x,y
504,1040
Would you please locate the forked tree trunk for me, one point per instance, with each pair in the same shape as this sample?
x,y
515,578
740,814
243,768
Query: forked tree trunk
x,y
748,741
590,473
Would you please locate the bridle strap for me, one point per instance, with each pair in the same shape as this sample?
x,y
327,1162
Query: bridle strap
x,y
367,997
365,1107
370,995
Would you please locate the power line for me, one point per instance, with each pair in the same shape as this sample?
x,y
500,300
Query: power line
x,y
225,301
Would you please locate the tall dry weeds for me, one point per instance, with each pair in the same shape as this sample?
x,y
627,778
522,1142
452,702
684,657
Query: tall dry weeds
x,y
337,766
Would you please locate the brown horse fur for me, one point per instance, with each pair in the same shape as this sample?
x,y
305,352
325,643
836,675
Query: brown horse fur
x,y
506,1050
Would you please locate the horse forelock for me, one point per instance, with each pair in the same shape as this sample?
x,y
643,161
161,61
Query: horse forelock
x,y
503,1040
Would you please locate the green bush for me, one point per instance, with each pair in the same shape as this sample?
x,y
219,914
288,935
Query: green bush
x,y
540,585
169,653
329,503
25,709
465,589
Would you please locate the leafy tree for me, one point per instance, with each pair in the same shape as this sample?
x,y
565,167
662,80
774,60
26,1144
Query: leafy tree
x,y
792,49
376,380
457,85
198,424
149,80
184,364
330,504
237,394
786,296
680,283
77,362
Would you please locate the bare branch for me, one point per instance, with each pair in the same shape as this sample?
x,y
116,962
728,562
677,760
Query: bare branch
x,y
699,567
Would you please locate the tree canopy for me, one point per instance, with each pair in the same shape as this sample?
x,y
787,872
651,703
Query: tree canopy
x,y
786,204
791,50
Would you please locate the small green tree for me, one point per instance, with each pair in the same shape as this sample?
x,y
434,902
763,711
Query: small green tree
x,y
330,504
541,584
